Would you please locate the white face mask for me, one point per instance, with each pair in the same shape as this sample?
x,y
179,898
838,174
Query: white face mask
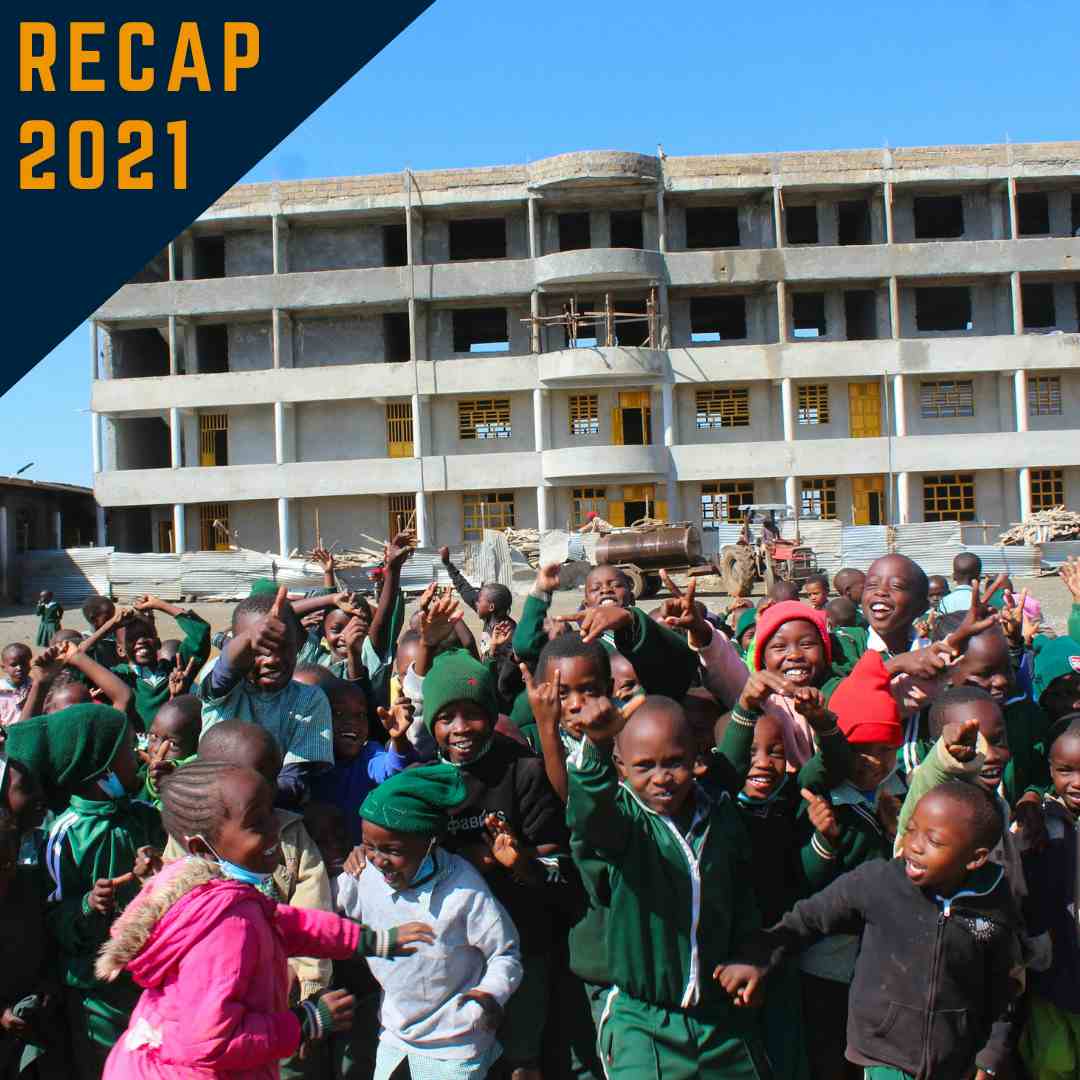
x,y
233,871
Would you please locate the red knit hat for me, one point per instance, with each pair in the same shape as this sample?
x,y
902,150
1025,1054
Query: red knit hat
x,y
775,615
865,708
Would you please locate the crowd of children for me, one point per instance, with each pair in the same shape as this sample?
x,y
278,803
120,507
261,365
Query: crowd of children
x,y
832,834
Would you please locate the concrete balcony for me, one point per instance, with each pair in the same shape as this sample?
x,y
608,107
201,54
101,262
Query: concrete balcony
x,y
238,483
599,265
867,359
482,472
862,262
583,463
597,366
992,450
811,457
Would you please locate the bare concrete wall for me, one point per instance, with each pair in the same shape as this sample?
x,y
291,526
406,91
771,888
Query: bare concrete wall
x,y
249,253
324,342
344,521
339,248
250,347
340,430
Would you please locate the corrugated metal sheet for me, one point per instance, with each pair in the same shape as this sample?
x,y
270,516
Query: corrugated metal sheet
x,y
134,575
862,544
931,544
826,538
71,575
1017,560
1057,551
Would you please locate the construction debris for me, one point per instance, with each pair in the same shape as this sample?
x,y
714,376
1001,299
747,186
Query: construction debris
x,y
526,542
1044,527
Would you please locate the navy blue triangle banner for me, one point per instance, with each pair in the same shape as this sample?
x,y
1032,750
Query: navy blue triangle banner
x,y
130,122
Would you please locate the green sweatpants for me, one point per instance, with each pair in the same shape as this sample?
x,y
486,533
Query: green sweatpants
x,y
782,1024
884,1072
639,1041
582,1006
97,1018
522,1029
1050,1044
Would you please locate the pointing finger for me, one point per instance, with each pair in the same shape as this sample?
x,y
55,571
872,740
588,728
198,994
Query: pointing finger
x,y
669,584
279,602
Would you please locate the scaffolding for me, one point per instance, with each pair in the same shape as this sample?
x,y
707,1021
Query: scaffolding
x,y
574,321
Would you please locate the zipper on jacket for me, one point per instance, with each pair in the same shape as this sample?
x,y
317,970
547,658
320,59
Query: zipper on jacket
x,y
931,997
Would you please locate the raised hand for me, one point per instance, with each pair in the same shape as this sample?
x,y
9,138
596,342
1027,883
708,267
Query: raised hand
x,y
102,897
428,596
355,862
437,620
147,603
270,635
324,558
593,622
399,549
180,676
444,555
979,616
1070,574
398,718
66,651
544,699
505,844
601,719
759,686
501,634
821,815
810,703
682,612
547,578
960,738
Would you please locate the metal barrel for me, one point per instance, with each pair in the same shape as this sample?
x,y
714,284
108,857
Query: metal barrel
x,y
676,546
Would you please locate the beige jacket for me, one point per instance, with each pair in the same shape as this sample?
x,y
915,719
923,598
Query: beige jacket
x,y
301,880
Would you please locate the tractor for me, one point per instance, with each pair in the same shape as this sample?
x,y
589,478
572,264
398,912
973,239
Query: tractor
x,y
769,559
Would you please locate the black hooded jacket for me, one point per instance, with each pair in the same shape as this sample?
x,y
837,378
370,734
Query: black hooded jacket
x,y
934,986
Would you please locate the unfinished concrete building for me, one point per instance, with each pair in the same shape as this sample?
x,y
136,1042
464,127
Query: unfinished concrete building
x,y
874,336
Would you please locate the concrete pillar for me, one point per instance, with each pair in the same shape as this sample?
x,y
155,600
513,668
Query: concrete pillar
x,y
1014,228
903,498
423,532
284,518
191,349
6,569
664,314
667,408
781,312
176,439
95,441
280,456
172,260
187,256
542,522
791,492
174,366
540,419
1024,476
94,350
671,496
787,409
279,229
179,528
535,250
888,212
899,406
894,308
535,342
100,522
1020,399
58,529
661,219
418,419
778,217
275,337
1017,303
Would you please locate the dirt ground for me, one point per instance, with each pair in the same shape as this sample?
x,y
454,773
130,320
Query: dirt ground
x,y
20,623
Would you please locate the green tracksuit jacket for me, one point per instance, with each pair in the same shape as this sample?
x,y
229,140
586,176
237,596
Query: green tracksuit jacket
x,y
151,683
95,839
678,902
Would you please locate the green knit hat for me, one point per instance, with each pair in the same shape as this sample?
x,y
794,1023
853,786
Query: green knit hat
x,y
1054,657
416,800
746,619
68,748
263,586
456,676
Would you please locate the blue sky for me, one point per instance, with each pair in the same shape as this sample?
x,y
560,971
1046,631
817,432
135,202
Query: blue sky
x,y
479,82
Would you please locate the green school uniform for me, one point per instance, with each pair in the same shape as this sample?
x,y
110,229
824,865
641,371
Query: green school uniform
x,y
94,839
151,682
149,791
50,615
1074,622
665,1016
103,652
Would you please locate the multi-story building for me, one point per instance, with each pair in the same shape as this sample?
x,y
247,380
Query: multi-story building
x,y
877,336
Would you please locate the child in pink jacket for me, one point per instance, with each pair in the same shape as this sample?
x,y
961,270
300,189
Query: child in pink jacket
x,y
210,950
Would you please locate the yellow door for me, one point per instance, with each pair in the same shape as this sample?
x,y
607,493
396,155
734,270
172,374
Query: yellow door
x,y
632,420
617,513
214,533
399,429
864,410
639,502
213,438
868,500
165,537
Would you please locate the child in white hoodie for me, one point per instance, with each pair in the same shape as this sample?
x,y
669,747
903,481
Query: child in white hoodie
x,y
442,1005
